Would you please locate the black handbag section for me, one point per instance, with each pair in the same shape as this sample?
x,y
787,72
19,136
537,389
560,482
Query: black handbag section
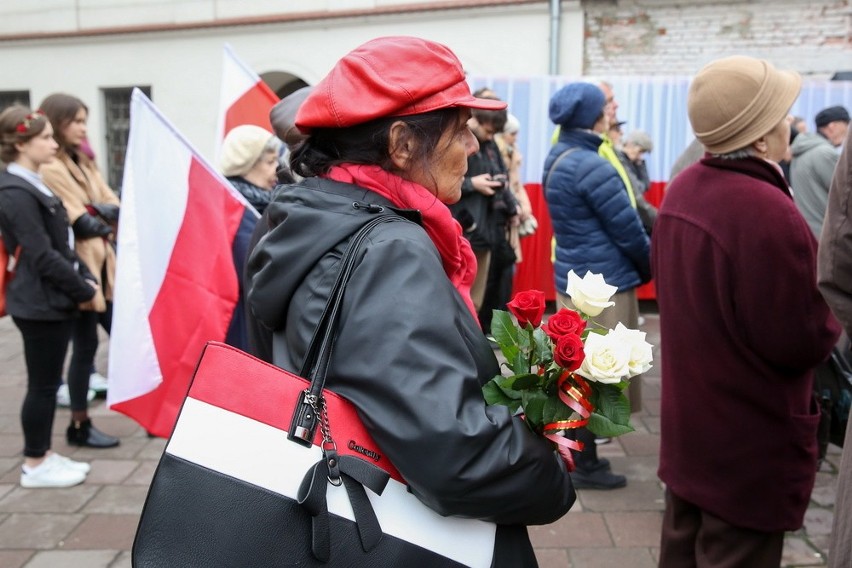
x,y
194,516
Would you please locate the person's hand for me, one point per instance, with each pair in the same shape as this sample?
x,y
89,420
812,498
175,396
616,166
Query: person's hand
x,y
484,184
93,283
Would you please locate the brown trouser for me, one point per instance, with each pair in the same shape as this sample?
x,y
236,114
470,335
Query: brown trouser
x,y
693,538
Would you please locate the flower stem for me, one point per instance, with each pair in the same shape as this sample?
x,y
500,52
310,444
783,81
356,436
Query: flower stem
x,y
531,333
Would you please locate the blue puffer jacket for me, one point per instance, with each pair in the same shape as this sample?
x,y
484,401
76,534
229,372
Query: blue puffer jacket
x,y
595,227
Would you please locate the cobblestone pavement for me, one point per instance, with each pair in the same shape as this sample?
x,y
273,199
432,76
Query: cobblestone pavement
x,y
92,525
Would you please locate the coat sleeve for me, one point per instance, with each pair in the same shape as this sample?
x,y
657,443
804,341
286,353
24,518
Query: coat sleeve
x,y
403,359
835,246
778,306
22,220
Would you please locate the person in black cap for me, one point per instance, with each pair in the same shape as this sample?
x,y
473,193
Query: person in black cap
x,y
832,124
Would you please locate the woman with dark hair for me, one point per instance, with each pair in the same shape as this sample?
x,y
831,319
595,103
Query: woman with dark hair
x,y
93,210
387,134
48,285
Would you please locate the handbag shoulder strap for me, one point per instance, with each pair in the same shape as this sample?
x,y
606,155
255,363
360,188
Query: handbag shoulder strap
x,y
305,419
556,161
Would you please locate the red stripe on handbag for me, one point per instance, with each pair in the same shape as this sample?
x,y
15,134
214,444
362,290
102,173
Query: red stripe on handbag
x,y
272,397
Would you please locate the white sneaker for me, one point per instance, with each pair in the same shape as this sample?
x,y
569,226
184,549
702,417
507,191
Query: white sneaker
x,y
63,397
50,473
98,383
69,463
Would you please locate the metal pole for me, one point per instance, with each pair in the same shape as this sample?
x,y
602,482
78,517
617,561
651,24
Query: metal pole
x,y
555,20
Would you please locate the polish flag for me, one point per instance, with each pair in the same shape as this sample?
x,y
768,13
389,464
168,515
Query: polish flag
x,y
244,98
176,282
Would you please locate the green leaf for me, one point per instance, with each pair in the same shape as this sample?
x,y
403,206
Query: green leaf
x,y
524,382
494,394
543,349
612,411
555,410
611,402
533,404
504,330
520,365
602,426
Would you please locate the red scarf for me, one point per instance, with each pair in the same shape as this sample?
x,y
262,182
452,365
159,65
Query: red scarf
x,y
446,233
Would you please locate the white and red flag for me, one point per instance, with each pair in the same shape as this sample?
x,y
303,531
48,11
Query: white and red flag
x,y
244,97
176,282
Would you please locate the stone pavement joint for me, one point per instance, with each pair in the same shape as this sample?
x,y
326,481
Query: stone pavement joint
x,y
93,525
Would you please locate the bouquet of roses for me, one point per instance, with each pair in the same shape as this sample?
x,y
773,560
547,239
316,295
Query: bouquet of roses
x,y
570,372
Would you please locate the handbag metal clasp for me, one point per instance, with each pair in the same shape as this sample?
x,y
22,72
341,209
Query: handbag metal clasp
x,y
305,420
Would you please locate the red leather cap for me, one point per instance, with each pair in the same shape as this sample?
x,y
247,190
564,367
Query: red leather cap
x,y
389,76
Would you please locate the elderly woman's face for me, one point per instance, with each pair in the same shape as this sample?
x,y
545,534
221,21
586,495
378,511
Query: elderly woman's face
x,y
263,173
778,140
445,173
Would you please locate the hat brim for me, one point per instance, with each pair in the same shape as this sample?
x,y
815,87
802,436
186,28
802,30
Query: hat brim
x,y
481,104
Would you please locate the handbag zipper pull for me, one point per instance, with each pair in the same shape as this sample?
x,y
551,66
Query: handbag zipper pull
x,y
304,422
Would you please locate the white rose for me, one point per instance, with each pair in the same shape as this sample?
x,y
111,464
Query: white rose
x,y
590,294
607,359
641,352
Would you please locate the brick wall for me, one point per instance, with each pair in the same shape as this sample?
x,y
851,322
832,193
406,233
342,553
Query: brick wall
x,y
654,37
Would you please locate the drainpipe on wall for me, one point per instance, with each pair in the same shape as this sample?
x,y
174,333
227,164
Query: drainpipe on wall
x,y
555,17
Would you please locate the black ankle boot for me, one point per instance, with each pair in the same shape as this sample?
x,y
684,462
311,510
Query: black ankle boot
x,y
85,434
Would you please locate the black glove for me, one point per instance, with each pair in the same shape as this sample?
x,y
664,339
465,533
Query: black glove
x,y
466,220
88,227
106,211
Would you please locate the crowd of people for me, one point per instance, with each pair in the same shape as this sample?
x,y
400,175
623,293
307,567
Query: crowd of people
x,y
739,414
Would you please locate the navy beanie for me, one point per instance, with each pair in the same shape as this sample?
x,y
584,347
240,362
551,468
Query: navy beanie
x,y
577,105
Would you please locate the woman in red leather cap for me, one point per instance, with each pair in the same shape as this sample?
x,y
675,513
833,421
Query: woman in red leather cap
x,y
387,134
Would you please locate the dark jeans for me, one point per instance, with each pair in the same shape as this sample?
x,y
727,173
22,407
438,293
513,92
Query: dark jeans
x,y
45,345
85,346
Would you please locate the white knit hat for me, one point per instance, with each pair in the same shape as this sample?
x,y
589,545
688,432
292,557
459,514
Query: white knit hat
x,y
513,125
242,148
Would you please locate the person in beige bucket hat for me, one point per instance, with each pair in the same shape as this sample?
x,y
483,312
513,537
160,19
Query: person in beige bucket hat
x,y
734,265
734,101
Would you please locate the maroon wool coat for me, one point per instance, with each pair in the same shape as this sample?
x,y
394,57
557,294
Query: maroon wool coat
x,y
742,326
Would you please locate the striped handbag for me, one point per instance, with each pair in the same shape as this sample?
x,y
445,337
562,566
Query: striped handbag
x,y
247,481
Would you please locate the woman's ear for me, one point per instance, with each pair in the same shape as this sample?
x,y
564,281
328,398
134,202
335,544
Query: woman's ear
x,y
400,144
761,146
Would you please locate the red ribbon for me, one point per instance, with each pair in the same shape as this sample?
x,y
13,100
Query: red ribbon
x,y
574,392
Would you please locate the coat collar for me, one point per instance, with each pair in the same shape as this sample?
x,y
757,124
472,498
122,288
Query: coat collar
x,y
753,167
581,138
361,195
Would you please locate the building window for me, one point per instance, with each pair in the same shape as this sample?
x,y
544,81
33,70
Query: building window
x,y
117,106
8,98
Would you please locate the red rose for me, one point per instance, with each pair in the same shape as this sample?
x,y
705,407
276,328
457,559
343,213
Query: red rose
x,y
568,352
564,322
528,307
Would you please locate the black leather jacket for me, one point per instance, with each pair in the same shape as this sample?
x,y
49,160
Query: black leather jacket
x,y
409,355
49,280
